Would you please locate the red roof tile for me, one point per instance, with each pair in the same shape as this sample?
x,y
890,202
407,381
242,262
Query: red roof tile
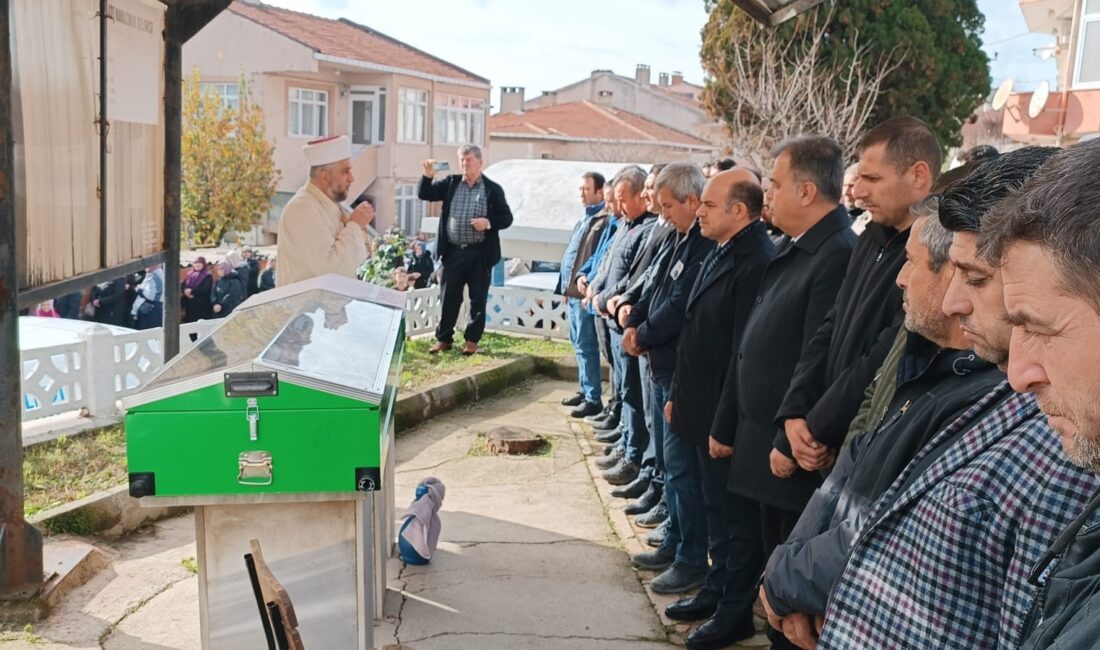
x,y
344,38
587,120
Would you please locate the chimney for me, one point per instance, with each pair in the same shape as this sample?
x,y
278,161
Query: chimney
x,y
662,79
641,74
511,99
549,98
677,78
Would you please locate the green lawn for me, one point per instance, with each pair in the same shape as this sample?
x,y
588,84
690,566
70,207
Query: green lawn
x,y
420,368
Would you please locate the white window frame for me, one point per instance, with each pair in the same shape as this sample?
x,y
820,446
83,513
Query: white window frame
x,y
412,104
377,96
221,90
459,120
408,208
296,102
1086,20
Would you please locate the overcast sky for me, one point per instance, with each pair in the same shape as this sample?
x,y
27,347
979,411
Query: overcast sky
x,y
546,45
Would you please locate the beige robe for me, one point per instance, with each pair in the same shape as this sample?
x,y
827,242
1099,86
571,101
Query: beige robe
x,y
315,240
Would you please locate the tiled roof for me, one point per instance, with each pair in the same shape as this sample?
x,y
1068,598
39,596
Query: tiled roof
x,y
346,39
585,120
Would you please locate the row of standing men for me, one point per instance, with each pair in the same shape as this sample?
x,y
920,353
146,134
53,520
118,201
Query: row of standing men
x,y
827,406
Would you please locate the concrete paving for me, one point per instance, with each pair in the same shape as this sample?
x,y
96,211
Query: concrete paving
x,y
528,557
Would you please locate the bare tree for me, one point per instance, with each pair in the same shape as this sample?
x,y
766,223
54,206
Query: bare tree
x,y
773,88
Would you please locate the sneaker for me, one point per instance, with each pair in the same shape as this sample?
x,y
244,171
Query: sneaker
x,y
612,459
657,537
654,516
678,579
657,560
623,473
575,400
585,409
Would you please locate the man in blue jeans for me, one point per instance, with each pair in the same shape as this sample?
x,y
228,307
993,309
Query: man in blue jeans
x,y
582,326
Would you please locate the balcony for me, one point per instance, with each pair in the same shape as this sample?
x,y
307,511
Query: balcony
x,y
1081,117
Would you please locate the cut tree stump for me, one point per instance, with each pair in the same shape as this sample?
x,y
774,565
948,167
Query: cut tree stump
x,y
513,440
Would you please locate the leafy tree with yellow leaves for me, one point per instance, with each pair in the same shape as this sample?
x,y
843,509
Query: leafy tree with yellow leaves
x,y
229,173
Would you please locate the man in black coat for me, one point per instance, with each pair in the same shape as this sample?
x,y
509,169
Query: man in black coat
x,y
938,379
899,162
474,213
714,319
1045,240
653,330
109,300
798,290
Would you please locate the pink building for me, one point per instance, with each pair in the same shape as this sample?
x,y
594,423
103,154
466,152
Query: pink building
x,y
1072,111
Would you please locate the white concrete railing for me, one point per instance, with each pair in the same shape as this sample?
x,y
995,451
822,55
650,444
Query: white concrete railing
x,y
103,368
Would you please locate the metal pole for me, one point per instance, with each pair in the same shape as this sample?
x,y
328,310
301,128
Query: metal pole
x,y
173,131
104,127
20,543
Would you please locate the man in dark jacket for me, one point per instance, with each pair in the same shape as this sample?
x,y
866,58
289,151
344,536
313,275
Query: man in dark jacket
x,y
1045,239
582,326
109,300
798,290
474,213
229,291
653,329
899,162
714,320
938,379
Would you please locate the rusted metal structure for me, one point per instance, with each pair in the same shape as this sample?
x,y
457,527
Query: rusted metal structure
x,y
21,574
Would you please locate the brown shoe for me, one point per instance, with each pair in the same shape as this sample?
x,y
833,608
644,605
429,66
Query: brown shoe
x,y
469,348
440,346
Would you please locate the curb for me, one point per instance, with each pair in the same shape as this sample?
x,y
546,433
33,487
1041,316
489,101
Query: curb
x,y
112,513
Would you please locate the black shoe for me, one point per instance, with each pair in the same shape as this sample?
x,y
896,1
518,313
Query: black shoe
x,y
647,501
657,538
697,608
623,473
609,436
575,400
658,560
585,409
609,448
678,579
607,424
602,415
654,516
612,459
634,489
720,631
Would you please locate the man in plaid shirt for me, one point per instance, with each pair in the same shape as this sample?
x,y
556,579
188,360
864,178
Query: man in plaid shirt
x,y
944,559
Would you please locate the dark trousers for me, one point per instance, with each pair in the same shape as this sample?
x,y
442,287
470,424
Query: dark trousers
x,y
463,267
603,336
736,548
776,525
633,425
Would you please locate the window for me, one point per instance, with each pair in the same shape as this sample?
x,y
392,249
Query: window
x,y
308,113
228,93
410,209
459,120
1088,48
412,115
368,115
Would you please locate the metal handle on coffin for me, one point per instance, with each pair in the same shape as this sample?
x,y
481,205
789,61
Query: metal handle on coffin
x,y
255,468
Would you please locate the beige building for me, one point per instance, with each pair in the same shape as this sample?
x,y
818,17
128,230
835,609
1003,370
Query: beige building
x,y
318,77
670,102
587,131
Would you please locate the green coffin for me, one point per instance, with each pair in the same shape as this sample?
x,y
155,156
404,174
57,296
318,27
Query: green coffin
x,y
291,394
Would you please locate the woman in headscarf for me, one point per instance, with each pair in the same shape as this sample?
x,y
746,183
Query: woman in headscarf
x,y
229,291
195,293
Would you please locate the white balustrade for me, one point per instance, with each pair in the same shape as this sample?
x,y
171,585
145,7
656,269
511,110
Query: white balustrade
x,y
102,368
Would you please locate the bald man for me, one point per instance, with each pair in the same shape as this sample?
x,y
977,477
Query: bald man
x,y
718,306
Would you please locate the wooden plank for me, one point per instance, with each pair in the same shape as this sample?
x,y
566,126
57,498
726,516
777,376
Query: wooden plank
x,y
273,592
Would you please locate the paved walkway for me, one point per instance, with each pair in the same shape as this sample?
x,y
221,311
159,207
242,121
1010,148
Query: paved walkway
x,y
528,558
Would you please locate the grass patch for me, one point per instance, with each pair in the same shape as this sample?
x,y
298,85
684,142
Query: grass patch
x,y
419,368
190,564
66,469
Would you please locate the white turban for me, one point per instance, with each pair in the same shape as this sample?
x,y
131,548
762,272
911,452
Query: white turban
x,y
327,150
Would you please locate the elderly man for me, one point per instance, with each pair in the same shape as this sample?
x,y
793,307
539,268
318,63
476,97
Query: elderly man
x,y
1046,240
943,560
474,213
937,379
653,330
316,234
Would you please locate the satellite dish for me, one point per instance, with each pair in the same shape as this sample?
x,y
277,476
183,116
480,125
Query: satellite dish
x,y
1000,98
1038,100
